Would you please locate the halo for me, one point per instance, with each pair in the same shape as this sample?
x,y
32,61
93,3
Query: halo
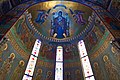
x,y
113,50
6,46
39,70
77,71
12,55
22,62
105,58
49,73
95,64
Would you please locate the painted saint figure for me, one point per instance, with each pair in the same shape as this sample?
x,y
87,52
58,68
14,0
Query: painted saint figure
x,y
19,71
49,76
111,69
41,17
39,75
60,27
6,66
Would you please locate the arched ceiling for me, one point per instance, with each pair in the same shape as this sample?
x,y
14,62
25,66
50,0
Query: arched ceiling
x,y
27,29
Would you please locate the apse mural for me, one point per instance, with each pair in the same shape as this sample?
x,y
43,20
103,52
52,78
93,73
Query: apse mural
x,y
23,34
12,65
75,21
105,63
60,24
95,35
59,21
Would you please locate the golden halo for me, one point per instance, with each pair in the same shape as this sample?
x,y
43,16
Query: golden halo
x,y
21,62
105,58
113,50
39,71
49,73
77,71
95,64
12,55
6,46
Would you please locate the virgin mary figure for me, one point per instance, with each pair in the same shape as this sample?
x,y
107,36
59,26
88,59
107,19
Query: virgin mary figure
x,y
60,27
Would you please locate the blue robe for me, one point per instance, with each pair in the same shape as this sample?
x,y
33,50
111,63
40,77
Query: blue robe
x,y
60,25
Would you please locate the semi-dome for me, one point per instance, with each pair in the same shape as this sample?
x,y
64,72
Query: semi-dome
x,y
65,40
